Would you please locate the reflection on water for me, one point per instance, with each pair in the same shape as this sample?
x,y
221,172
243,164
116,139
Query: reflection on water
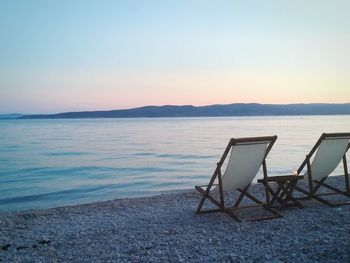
x,y
46,163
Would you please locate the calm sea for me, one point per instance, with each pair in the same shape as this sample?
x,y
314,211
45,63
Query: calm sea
x,y
49,163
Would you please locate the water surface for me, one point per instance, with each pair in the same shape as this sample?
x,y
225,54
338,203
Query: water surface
x,y
48,163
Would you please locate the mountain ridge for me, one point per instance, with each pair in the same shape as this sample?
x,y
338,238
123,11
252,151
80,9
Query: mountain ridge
x,y
215,110
11,116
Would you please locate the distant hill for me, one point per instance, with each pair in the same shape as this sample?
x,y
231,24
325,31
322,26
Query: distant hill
x,y
11,116
236,109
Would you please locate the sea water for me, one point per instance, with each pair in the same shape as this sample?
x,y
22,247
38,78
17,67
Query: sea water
x,y
50,163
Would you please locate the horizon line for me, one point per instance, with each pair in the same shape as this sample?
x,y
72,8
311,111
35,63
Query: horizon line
x,y
183,105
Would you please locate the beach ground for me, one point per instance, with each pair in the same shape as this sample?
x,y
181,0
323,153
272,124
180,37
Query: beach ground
x,y
164,228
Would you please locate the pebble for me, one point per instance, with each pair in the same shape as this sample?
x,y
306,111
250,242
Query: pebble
x,y
165,228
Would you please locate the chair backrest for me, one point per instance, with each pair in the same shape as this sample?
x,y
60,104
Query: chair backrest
x,y
329,151
246,157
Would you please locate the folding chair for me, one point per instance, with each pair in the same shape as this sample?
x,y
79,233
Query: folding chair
x,y
322,160
246,157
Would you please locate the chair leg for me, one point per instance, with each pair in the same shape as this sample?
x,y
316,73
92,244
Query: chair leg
x,y
289,195
205,196
202,199
304,192
318,198
334,189
275,194
238,200
323,201
346,174
206,192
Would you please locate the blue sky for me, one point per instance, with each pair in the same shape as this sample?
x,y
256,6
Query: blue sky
x,y
85,55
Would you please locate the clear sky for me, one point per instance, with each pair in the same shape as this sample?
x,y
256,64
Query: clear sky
x,y
64,55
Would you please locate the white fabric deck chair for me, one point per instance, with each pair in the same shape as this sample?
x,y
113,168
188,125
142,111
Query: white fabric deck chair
x,y
322,160
247,156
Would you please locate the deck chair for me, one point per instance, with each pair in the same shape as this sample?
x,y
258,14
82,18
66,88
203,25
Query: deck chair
x,y
322,160
246,157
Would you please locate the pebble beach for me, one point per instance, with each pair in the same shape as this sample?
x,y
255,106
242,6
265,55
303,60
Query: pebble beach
x,y
165,228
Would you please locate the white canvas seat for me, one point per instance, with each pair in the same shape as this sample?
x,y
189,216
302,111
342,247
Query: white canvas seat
x,y
247,155
244,163
322,160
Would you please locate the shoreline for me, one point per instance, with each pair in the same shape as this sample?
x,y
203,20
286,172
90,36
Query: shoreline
x,y
164,228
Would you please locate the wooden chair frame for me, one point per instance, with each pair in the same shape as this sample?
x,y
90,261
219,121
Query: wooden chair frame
x,y
283,194
243,192
315,185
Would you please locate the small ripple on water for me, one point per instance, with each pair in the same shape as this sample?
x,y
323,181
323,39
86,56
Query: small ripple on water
x,y
183,156
143,154
66,153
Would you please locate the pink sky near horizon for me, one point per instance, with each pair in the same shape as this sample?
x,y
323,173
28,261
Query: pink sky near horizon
x,y
101,90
